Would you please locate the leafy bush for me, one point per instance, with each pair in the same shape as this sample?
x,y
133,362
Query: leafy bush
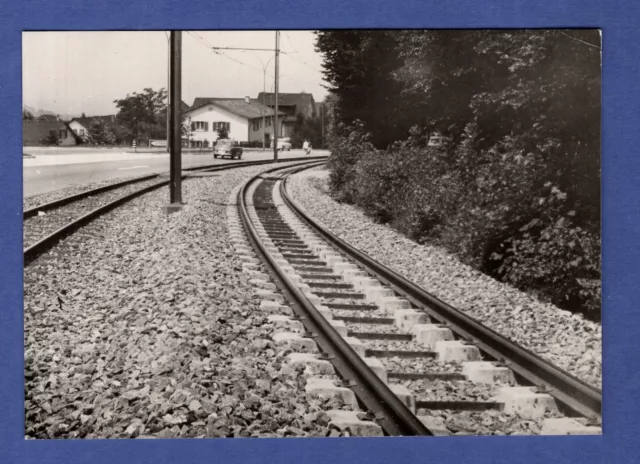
x,y
490,208
50,140
223,133
552,253
309,129
515,191
346,151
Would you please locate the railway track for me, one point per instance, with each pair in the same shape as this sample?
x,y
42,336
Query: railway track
x,y
416,365
44,225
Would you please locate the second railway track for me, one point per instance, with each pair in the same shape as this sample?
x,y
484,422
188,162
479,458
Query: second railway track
x,y
46,224
417,366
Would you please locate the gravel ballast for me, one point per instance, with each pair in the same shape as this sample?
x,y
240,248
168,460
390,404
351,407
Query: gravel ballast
x,y
43,198
567,340
490,422
147,327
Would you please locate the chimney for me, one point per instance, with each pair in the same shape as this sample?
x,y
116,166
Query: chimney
x,y
247,99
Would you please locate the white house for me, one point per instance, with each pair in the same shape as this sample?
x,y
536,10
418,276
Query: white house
x,y
81,126
241,117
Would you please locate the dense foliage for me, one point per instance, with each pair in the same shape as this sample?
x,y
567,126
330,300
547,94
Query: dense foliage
x,y
515,189
144,115
100,134
50,139
223,133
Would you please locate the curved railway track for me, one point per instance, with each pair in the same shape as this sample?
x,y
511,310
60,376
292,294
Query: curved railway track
x,y
410,358
44,225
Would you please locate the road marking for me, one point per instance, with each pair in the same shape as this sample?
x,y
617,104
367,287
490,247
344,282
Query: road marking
x,y
132,167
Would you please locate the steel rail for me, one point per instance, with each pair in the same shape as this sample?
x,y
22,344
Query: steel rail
x,y
580,397
82,195
35,250
389,411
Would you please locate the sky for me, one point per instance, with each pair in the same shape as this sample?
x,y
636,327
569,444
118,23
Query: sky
x,y
84,72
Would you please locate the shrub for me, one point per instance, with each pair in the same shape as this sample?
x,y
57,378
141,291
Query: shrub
x,y
346,150
378,177
553,254
496,209
50,140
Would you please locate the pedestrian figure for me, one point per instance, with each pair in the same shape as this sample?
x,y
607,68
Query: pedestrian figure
x,y
306,147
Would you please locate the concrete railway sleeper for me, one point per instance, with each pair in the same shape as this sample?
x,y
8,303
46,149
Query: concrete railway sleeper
x,y
334,368
442,381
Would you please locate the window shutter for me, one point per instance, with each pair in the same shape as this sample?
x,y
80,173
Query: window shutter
x,y
206,127
193,126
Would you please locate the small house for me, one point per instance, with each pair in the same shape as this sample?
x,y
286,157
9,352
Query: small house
x,y
46,132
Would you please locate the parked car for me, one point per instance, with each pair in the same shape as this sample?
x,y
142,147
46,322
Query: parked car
x,y
283,144
227,148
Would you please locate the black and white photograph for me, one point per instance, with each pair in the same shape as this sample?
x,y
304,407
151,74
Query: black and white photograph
x,y
331,233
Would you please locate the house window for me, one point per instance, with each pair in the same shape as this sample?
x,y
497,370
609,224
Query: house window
x,y
199,126
269,122
221,125
63,134
256,125
82,132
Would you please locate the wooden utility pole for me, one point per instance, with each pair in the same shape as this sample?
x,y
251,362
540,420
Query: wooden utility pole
x,y
276,119
175,185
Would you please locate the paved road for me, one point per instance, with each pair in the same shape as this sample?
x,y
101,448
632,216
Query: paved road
x,y
54,169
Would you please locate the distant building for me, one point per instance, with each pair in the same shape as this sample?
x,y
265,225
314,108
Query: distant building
x,y
36,132
241,117
291,104
81,126
48,117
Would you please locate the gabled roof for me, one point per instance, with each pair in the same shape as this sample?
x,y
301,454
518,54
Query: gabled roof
x,y
110,122
238,106
299,100
33,131
87,120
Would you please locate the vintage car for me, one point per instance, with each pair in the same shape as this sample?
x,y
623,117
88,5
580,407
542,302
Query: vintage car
x,y
227,148
283,144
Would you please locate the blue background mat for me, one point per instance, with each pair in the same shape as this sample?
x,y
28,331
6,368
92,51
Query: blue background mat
x,y
621,221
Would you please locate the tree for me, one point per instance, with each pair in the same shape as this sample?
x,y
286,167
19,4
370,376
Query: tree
x,y
307,129
359,66
27,115
51,139
516,191
187,130
99,134
143,114
223,133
